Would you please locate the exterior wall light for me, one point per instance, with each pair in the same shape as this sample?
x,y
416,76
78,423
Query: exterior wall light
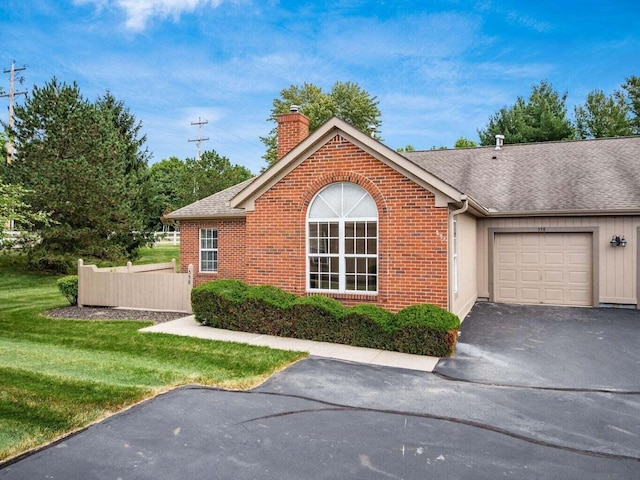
x,y
618,241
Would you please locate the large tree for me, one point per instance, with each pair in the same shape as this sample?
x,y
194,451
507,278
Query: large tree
x,y
346,100
632,89
174,183
603,116
82,161
541,118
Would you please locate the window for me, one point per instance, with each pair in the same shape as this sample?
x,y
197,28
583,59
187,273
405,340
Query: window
x,y
342,240
208,250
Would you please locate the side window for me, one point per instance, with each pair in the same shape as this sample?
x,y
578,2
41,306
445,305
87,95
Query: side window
x,y
208,250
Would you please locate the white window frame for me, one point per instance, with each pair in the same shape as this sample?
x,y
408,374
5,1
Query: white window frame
x,y
341,218
212,249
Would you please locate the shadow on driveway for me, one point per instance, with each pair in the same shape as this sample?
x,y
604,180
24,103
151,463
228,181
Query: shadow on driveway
x,y
548,347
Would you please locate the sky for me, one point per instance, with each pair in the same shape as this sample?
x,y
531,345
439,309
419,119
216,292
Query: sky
x,y
438,68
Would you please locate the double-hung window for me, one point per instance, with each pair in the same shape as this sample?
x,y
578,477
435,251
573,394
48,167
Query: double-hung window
x,y
342,240
208,250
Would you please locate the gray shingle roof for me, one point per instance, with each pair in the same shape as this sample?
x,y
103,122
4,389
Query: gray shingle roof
x,y
213,206
602,174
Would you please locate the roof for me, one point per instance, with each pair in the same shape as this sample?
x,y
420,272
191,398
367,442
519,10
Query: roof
x,y
213,206
568,177
571,176
443,191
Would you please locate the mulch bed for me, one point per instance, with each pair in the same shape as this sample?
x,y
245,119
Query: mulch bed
x,y
107,313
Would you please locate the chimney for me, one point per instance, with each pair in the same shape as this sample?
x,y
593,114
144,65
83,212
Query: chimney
x,y
499,141
293,127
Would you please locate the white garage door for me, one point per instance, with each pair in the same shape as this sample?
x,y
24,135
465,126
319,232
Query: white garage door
x,y
547,268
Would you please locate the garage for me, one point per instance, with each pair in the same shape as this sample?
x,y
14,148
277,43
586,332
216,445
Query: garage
x,y
544,268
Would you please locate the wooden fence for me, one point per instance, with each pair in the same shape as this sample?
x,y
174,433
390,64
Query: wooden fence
x,y
152,287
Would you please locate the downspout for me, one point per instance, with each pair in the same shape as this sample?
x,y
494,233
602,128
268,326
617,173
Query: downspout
x,y
453,214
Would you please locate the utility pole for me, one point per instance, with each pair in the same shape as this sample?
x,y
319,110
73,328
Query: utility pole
x,y
199,140
12,94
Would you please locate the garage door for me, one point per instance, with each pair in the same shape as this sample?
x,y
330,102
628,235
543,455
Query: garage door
x,y
543,268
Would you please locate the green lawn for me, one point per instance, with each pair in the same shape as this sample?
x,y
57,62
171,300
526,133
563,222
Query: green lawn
x,y
57,376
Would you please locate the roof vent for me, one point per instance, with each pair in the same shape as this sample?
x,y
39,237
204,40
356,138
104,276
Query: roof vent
x,y
499,141
294,108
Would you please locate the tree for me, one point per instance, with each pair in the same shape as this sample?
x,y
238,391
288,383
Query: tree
x,y
632,88
13,209
164,182
81,161
541,118
346,100
603,116
208,175
465,143
408,148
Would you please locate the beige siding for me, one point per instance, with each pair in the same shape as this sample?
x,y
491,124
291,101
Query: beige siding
x,y
615,269
463,300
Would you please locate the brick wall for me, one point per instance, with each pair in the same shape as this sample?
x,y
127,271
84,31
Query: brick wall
x,y
231,249
412,263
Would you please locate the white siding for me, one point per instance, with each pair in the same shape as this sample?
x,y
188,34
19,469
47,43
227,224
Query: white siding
x,y
467,294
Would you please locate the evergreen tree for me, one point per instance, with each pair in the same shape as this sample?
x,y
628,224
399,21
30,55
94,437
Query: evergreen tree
x,y
541,118
80,161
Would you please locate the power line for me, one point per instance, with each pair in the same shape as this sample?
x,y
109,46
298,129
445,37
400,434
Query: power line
x,y
12,94
199,140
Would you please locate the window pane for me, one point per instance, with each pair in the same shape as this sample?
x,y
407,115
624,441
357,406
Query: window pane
x,y
348,229
335,261
366,208
334,246
361,265
334,230
372,246
372,283
361,228
335,284
372,266
351,282
350,265
313,229
360,246
349,246
313,280
314,264
321,209
372,229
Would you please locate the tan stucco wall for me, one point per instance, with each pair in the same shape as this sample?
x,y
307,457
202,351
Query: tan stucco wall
x,y
616,269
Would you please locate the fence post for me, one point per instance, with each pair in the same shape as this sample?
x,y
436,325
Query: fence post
x,y
173,260
190,286
129,264
80,282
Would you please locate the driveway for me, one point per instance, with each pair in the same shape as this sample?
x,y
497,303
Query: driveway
x,y
549,347
330,419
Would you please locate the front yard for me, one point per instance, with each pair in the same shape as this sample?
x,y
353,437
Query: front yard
x,y
58,376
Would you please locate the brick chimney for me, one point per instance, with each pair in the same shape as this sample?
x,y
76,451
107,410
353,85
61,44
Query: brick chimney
x,y
293,128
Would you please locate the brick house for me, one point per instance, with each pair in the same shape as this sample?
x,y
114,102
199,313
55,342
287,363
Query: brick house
x,y
343,215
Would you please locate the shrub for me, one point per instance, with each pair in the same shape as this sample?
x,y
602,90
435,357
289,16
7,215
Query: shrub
x,y
425,330
315,317
233,305
68,286
216,303
366,326
50,263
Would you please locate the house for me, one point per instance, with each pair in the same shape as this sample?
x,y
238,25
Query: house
x,y
343,215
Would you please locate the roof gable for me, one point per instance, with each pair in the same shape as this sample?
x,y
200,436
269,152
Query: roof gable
x,y
444,192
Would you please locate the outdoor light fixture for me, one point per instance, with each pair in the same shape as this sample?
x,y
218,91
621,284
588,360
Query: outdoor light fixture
x,y
618,241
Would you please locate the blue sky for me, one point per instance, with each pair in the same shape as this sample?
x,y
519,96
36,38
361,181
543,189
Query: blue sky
x,y
438,68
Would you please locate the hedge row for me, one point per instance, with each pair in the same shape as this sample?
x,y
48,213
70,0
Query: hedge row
x,y
234,305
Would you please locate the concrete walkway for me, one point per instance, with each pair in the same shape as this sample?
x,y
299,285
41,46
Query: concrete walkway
x,y
188,327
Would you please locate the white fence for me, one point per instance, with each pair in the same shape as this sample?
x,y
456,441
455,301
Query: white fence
x,y
151,287
172,238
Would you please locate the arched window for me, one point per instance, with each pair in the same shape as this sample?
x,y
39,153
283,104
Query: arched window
x,y
342,240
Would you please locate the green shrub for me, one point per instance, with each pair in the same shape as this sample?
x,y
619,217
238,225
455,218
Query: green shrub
x,y
315,317
366,326
265,309
425,330
50,263
68,286
217,303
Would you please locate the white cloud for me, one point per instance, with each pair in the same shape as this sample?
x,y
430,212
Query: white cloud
x,y
139,12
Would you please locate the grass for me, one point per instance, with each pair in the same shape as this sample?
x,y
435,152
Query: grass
x,y
58,376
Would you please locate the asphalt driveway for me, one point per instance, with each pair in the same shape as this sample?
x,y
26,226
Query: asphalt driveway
x,y
327,419
552,347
